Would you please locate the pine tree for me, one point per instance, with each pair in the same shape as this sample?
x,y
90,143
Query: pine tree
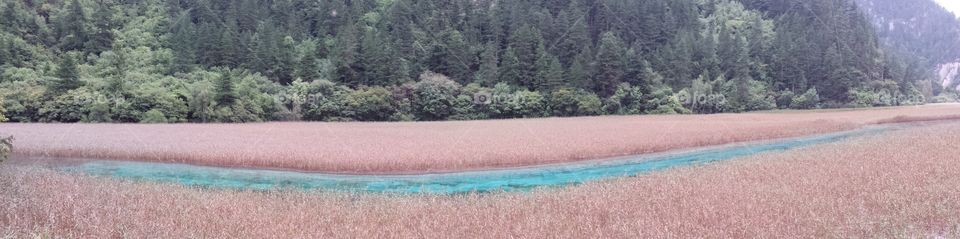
x,y
226,94
308,70
510,69
528,46
73,27
610,64
68,76
267,50
489,71
581,70
102,37
727,51
449,57
633,71
741,73
183,43
549,73
287,58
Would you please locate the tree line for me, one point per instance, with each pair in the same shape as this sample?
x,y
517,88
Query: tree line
x,y
373,60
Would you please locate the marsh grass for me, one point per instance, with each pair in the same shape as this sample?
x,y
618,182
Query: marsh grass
x,y
891,185
436,146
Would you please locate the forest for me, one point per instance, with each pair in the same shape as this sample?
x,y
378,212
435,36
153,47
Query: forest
x,y
172,61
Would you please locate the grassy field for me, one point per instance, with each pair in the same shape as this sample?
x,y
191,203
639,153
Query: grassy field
x,y
896,184
436,146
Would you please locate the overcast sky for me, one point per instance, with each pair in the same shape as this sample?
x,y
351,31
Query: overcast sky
x,y
952,5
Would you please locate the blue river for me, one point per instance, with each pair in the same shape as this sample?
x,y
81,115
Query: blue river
x,y
511,179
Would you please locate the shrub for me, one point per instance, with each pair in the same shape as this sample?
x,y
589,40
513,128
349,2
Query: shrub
x,y
574,102
434,96
702,98
3,118
6,148
72,106
625,100
755,98
153,116
808,100
664,101
784,99
529,104
370,104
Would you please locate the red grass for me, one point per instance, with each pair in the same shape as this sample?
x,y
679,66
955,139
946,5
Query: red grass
x,y
435,146
898,184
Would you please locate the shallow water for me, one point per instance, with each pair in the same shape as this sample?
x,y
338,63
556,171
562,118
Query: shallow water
x,y
516,179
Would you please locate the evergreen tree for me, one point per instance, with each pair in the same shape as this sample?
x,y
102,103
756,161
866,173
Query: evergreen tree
x,y
226,95
287,58
549,73
68,76
610,64
527,45
183,43
449,57
308,69
102,37
73,29
510,70
489,71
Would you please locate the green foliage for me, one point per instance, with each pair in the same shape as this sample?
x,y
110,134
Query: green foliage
x,y
626,100
6,148
153,117
610,64
703,98
751,96
574,102
808,100
226,95
73,106
434,96
240,61
3,118
784,99
68,76
370,104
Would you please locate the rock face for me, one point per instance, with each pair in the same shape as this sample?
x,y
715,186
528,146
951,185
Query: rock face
x,y
949,75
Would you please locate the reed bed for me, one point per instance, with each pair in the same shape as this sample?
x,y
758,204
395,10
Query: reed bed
x,y
896,184
436,146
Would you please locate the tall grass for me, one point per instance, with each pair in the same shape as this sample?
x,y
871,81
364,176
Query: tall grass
x,y
434,146
897,184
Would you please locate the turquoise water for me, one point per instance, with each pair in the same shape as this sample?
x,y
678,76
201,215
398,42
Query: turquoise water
x,y
517,179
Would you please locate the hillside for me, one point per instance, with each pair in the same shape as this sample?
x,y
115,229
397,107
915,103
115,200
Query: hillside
x,y
925,31
375,60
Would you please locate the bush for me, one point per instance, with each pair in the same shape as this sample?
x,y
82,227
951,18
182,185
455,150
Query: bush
x,y
808,100
671,105
153,116
864,98
72,106
702,98
755,98
6,147
625,100
573,102
434,96
528,104
945,98
663,101
370,104
784,99
3,111
23,97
